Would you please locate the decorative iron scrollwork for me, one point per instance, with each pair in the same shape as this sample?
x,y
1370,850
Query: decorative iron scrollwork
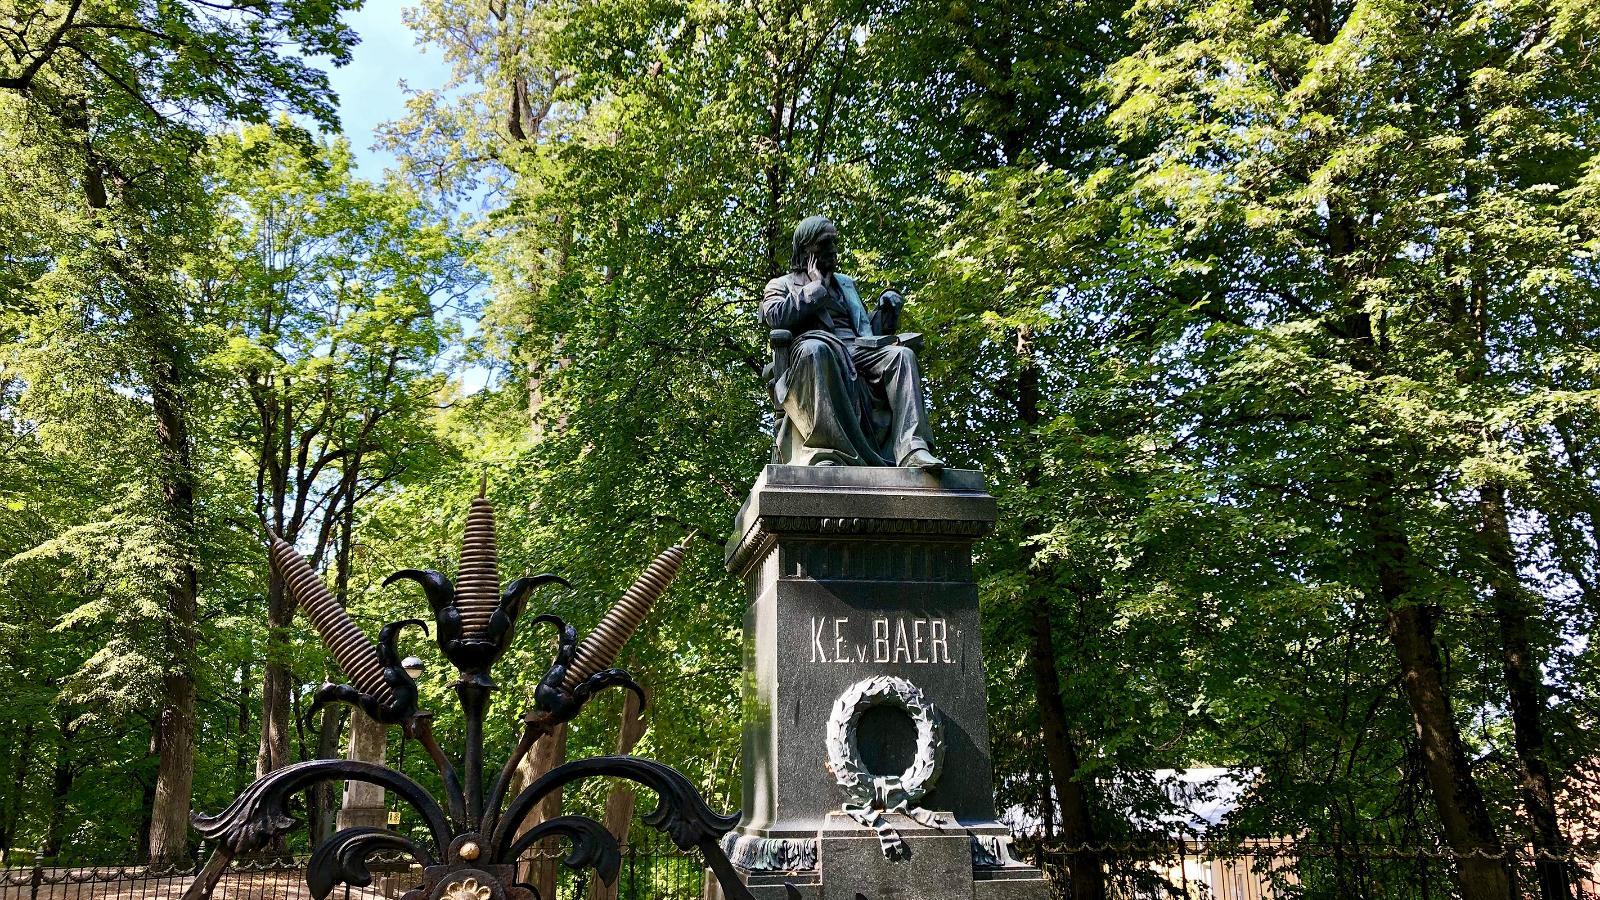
x,y
593,847
680,811
345,857
474,847
261,811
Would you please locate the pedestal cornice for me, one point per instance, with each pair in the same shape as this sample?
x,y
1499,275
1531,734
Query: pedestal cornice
x,y
839,500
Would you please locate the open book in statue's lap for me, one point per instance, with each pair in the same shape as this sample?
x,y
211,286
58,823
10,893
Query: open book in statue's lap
x,y
849,388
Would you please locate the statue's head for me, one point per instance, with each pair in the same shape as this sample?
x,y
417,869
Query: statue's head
x,y
816,247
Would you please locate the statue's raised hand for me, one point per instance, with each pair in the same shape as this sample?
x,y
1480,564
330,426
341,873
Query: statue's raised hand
x,y
814,296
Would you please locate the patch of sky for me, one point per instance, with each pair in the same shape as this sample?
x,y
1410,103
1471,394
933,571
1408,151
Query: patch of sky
x,y
385,67
370,88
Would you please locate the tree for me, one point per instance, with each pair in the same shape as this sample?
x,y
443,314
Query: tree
x,y
337,297
1271,328
105,106
1332,177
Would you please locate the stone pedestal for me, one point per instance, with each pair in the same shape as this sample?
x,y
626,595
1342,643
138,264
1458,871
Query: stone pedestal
x,y
854,573
370,816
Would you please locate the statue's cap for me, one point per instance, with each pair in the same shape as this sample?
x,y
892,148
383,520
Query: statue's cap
x,y
809,230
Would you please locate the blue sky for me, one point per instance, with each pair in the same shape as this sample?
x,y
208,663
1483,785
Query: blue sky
x,y
369,87
370,94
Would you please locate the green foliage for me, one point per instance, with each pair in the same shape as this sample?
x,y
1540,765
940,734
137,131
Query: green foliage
x,y
1226,300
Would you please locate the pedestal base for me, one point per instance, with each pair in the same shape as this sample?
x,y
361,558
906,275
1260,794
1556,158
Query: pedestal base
x,y
845,861
369,816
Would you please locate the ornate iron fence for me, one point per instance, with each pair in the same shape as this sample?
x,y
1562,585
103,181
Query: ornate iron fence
x,y
653,870
1293,870
650,871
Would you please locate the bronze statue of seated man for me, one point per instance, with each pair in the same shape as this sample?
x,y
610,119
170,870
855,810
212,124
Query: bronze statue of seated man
x,y
849,387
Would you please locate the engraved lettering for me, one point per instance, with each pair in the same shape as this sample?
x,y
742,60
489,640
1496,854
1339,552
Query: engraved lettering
x,y
894,639
938,643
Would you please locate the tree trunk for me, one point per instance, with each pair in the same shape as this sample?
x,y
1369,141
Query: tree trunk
x,y
320,819
60,789
1086,879
12,814
242,734
147,804
619,803
1463,814
1047,803
273,751
175,723
1525,696
540,869
169,815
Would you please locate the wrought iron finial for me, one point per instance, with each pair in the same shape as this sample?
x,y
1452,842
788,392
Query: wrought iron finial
x,y
599,649
472,846
355,654
476,620
379,684
478,579
560,695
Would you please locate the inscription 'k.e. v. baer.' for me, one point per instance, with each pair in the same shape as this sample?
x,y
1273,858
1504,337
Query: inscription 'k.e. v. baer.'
x,y
896,639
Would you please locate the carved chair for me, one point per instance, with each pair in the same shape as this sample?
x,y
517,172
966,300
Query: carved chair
x,y
781,341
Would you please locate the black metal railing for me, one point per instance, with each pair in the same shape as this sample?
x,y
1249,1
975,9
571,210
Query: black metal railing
x,y
650,871
656,870
1270,869
248,878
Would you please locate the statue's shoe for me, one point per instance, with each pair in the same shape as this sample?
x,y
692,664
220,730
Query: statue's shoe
x,y
922,459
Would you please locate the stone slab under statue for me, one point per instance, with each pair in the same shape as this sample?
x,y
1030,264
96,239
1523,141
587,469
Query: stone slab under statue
x,y
866,745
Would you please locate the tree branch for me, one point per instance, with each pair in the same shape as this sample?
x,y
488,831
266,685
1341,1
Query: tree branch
x,y
21,82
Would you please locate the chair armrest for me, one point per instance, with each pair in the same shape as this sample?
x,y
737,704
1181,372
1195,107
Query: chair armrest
x,y
780,340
